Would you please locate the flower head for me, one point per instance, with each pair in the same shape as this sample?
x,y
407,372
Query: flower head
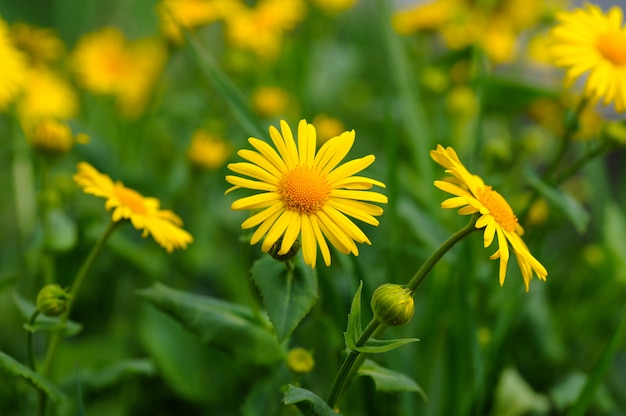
x,y
177,14
588,41
42,46
471,195
306,192
208,151
51,137
106,63
46,94
127,204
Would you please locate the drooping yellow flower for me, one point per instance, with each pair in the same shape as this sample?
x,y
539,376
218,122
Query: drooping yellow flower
x,y
261,29
12,68
41,45
106,63
306,192
174,14
208,151
589,42
471,195
127,204
46,95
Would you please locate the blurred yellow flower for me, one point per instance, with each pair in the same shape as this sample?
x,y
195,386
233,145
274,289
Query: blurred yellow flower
x,y
106,63
592,43
335,6
46,95
306,192
128,204
260,29
428,15
41,45
471,195
270,101
300,360
51,136
327,127
12,68
177,14
208,151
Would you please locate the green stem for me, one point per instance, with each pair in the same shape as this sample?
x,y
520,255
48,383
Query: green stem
x,y
577,165
78,280
29,341
376,328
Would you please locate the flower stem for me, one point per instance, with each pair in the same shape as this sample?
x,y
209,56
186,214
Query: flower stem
x,y
29,341
376,328
78,280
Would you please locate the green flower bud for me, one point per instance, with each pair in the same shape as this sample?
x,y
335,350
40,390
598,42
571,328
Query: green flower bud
x,y
393,304
52,300
300,360
291,253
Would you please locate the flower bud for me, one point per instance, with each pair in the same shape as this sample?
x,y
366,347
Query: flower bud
x,y
52,300
393,304
300,360
291,253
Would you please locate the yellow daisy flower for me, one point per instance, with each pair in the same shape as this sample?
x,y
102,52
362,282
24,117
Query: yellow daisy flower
x,y
306,192
128,204
587,41
471,195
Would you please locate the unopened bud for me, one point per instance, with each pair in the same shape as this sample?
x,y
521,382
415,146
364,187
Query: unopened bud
x,y
393,304
52,300
291,253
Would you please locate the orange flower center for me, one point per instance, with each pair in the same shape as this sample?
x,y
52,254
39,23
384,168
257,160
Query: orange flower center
x,y
130,198
498,208
612,45
304,190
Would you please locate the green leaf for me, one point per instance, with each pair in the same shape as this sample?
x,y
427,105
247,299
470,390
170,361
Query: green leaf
x,y
115,373
44,323
354,330
18,369
225,86
307,402
288,294
217,322
562,201
373,346
614,230
388,380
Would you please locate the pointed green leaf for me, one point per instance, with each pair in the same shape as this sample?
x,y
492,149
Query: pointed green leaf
x,y
16,368
43,323
388,380
308,402
217,322
560,200
373,346
288,294
355,329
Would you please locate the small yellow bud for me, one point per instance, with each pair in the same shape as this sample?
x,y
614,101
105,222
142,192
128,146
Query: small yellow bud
x,y
52,300
300,360
393,304
291,253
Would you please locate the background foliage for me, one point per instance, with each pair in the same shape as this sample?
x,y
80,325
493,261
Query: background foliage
x,y
484,349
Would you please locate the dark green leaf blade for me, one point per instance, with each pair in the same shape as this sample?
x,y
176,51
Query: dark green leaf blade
x,y
307,402
388,380
288,295
354,330
16,368
218,322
